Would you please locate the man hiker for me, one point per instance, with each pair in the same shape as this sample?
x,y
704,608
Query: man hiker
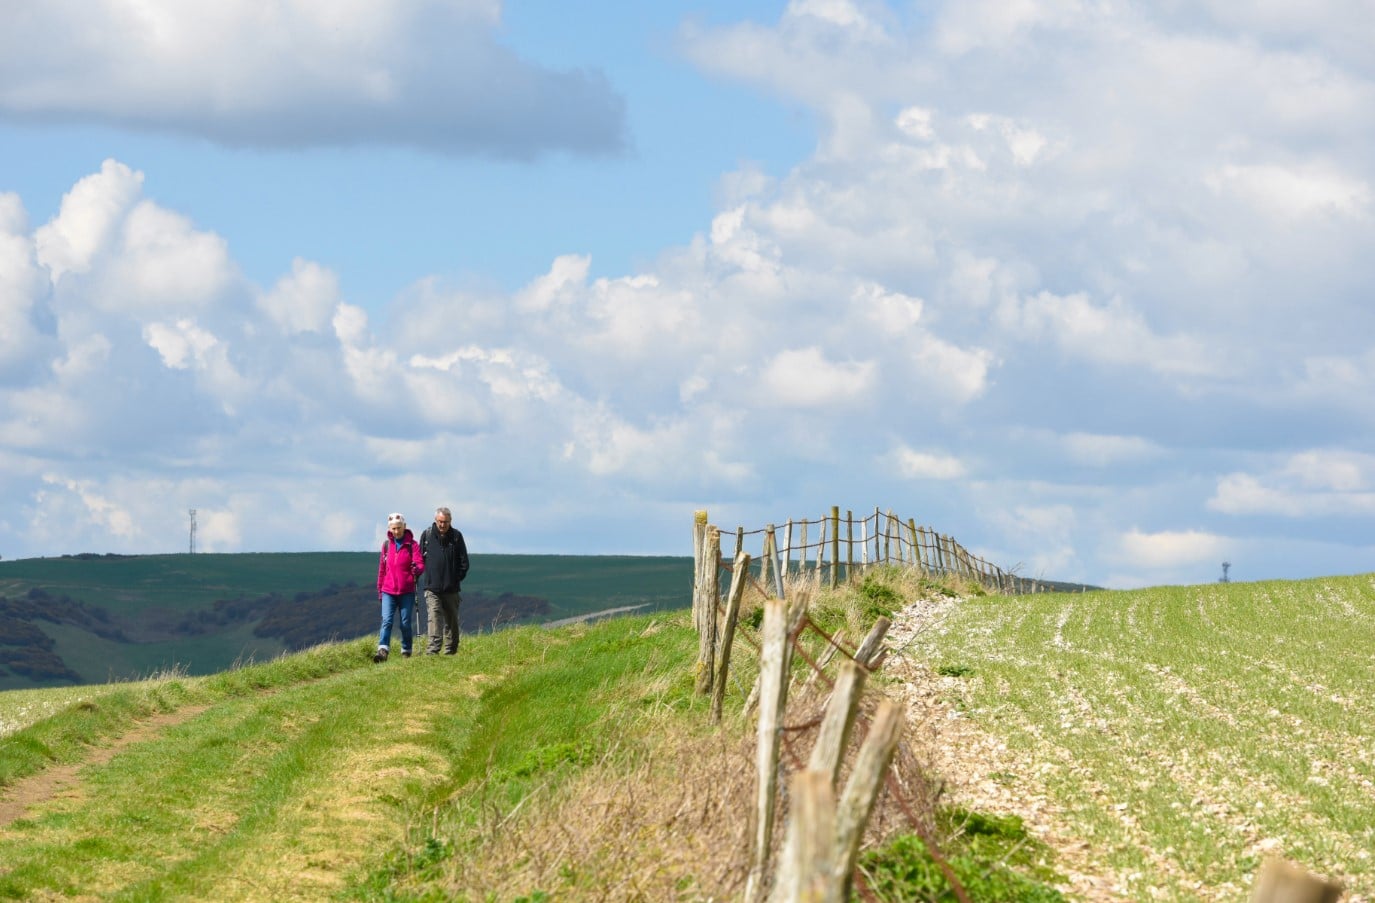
x,y
446,564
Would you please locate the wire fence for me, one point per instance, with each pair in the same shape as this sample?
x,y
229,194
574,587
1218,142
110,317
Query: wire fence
x,y
831,763
833,548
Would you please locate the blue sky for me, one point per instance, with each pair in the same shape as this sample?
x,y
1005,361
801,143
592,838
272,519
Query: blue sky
x,y
1086,286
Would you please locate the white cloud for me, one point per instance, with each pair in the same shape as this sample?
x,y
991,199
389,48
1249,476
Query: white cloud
x,y
1112,259
90,213
1168,548
805,378
181,345
1111,334
918,465
1285,192
422,73
304,300
1310,484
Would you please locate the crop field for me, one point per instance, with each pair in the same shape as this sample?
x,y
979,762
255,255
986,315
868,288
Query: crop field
x,y
1185,732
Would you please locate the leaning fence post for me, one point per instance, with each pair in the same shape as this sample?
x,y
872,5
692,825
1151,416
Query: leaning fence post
x,y
863,788
867,653
839,719
738,578
773,693
709,596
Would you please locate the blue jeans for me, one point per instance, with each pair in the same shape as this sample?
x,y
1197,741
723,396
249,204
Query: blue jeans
x,y
402,604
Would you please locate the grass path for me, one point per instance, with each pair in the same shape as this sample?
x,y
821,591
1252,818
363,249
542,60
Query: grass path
x,y
315,777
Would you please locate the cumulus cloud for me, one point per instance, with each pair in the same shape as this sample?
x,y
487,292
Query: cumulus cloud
x,y
299,73
918,465
1051,269
1168,549
1309,484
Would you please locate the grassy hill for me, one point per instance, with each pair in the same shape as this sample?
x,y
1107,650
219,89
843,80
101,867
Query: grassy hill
x,y
1177,735
91,619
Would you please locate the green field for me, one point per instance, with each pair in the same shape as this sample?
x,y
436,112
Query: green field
x,y
574,584
148,595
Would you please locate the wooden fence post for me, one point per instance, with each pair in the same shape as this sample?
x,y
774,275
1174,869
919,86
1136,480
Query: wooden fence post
x,y
866,780
838,721
916,546
787,549
773,693
849,545
868,651
835,546
805,871
709,585
738,578
771,550
766,560
699,535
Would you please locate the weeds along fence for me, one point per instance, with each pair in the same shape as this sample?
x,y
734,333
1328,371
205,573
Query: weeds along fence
x,y
830,761
832,549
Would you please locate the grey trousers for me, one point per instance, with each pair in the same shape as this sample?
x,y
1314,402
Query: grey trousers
x,y
442,609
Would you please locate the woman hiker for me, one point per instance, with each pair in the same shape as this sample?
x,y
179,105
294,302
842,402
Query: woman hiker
x,y
400,564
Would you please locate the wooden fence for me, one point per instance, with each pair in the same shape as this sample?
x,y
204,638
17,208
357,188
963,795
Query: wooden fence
x,y
826,816
845,546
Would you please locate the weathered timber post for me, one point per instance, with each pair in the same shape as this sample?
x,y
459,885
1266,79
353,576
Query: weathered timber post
x,y
866,780
805,870
916,546
802,553
835,546
771,552
849,545
774,657
709,586
738,578
788,549
699,536
766,560
868,652
836,724
864,543
1279,882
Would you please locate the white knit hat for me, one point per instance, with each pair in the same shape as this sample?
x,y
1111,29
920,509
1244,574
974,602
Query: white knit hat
x,y
395,518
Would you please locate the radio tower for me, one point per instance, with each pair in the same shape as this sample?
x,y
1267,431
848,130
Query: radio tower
x,y
193,532
1225,566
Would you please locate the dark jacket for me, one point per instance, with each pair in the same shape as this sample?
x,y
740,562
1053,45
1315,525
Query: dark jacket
x,y
446,559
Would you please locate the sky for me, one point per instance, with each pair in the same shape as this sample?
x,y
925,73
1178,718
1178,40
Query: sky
x,y
1085,285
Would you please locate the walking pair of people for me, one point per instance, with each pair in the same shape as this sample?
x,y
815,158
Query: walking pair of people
x,y
441,557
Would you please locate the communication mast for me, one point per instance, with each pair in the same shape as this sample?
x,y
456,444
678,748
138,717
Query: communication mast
x,y
1225,566
193,532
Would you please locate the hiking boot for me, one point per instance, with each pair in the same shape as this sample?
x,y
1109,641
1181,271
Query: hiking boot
x,y
405,653
381,654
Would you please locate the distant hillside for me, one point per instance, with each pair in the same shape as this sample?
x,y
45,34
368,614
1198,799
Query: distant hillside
x,y
94,618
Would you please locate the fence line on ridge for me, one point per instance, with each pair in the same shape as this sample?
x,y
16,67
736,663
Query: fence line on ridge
x,y
846,546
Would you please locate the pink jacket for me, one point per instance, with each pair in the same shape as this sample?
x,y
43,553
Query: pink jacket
x,y
397,568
